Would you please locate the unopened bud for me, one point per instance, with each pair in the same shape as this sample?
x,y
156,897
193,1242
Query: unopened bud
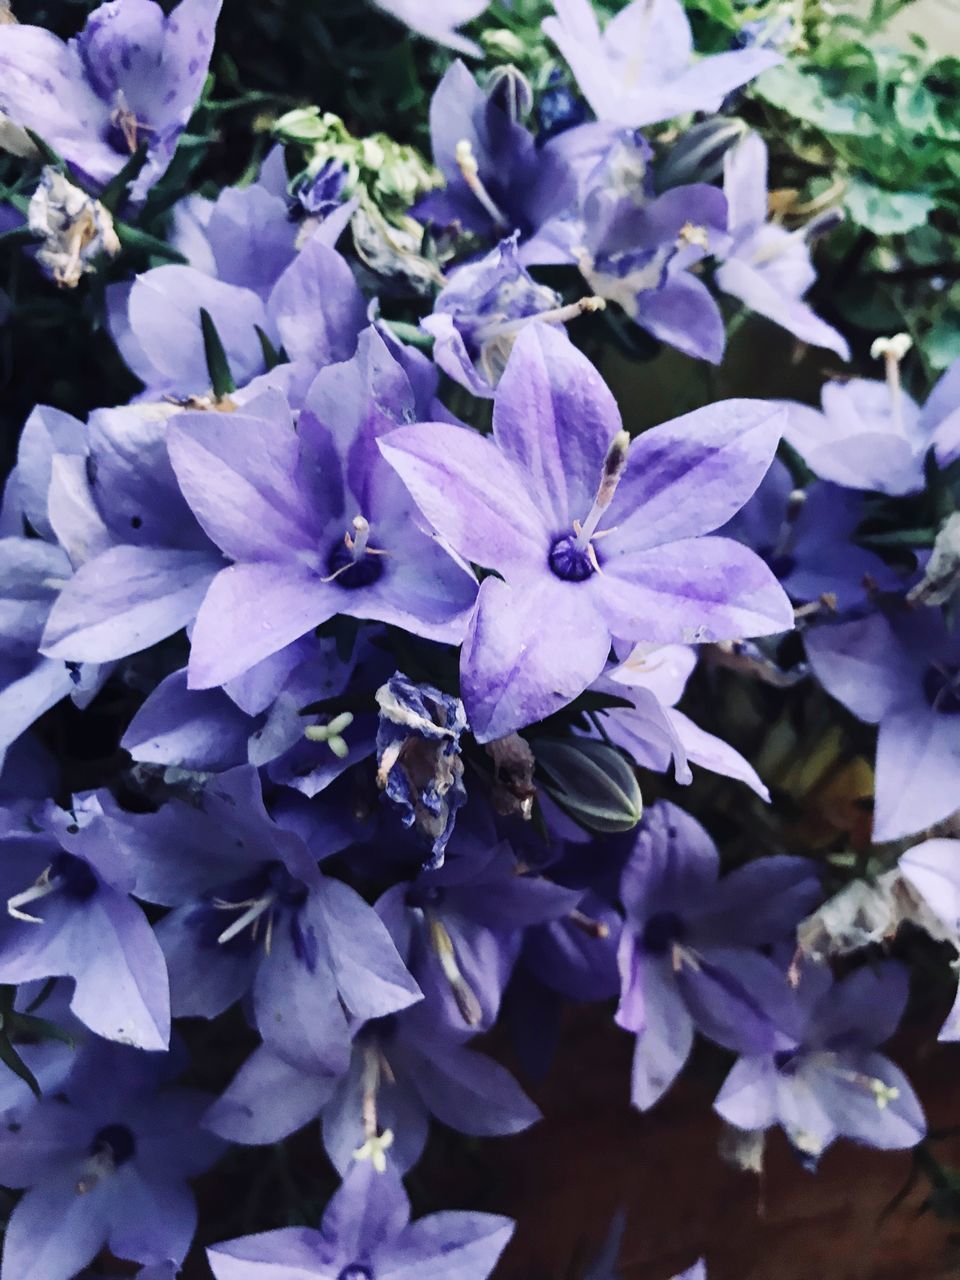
x,y
593,782
509,89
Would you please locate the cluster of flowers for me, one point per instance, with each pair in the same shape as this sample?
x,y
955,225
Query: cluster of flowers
x,y
393,771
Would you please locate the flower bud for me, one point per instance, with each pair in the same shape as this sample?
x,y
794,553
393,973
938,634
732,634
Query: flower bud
x,y
509,89
593,782
697,155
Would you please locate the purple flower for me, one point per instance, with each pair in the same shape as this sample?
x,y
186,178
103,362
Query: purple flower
x,y
641,68
67,888
932,869
142,561
688,953
824,1079
902,675
246,236
419,768
498,180
633,248
106,1162
766,266
460,929
132,76
313,310
313,519
653,732
806,537
872,435
251,910
600,540
479,312
437,22
403,1069
367,1232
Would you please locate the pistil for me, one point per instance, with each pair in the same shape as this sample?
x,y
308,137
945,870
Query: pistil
x,y
41,888
467,163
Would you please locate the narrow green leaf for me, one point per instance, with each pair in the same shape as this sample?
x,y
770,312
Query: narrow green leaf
x,y
271,356
221,379
115,190
47,153
133,238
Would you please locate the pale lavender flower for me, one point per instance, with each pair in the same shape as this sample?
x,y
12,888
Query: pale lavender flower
x,y
367,1232
105,1162
767,267
824,1078
902,674
599,539
130,78
641,68
438,22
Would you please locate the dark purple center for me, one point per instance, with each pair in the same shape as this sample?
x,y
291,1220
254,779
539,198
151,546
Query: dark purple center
x,y
117,1141
351,573
568,561
76,879
661,931
355,1271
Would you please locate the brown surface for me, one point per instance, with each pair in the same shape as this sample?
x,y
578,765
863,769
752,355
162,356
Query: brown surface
x,y
565,1179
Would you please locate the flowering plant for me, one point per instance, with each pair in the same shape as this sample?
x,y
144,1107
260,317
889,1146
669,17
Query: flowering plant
x,y
458,565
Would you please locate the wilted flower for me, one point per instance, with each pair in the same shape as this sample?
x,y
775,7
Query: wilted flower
x,y
76,229
419,768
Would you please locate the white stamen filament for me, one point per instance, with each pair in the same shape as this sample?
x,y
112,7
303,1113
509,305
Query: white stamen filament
x,y
42,888
467,163
254,911
788,528
376,1144
592,928
893,350
613,467
463,993
559,315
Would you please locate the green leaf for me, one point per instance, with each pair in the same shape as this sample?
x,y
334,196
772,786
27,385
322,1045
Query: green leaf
x,y
803,95
271,356
942,344
221,379
134,238
116,188
47,153
885,212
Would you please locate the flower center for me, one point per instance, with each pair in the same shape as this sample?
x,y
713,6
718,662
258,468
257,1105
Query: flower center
x,y
941,684
255,902
570,561
355,1271
573,557
661,931
117,1141
353,563
66,874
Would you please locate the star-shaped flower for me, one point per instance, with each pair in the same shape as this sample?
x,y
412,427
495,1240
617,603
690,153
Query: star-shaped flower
x,y
593,537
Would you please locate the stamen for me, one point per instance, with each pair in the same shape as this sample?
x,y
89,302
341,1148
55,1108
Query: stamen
x,y
592,928
613,468
331,733
253,912
41,888
559,315
376,1144
442,943
692,233
467,163
883,1093
893,350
